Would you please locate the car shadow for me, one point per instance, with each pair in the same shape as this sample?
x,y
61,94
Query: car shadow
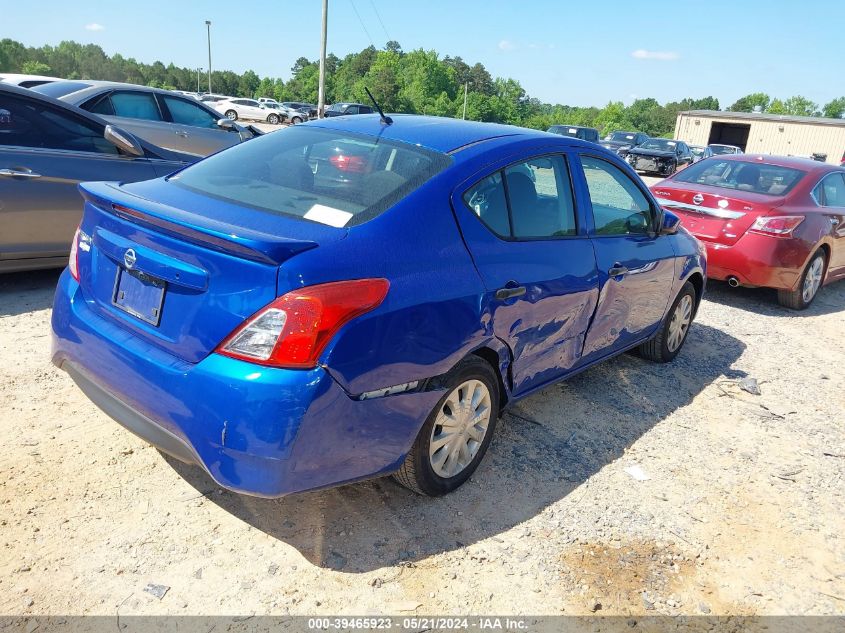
x,y
544,448
27,291
764,301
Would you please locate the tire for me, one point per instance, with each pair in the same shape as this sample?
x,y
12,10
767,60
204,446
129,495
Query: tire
x,y
808,287
231,115
296,120
273,118
665,345
437,472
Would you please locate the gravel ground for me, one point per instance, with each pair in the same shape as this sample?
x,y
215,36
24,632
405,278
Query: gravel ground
x,y
737,505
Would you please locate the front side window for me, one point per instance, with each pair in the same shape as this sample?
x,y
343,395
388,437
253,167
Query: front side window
x,y
135,105
531,199
26,123
830,192
327,176
187,113
619,205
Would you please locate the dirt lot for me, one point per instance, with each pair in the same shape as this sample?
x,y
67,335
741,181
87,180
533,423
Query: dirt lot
x,y
737,506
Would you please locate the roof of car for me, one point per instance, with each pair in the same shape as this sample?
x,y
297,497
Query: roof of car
x,y
438,133
795,162
96,83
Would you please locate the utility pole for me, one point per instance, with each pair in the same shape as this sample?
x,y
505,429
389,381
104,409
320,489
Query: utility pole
x,y
198,80
208,27
321,97
466,86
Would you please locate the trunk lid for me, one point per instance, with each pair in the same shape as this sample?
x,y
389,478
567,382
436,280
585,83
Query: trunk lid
x,y
184,270
714,214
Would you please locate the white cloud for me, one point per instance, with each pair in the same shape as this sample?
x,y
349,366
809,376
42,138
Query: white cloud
x,y
94,27
506,45
664,56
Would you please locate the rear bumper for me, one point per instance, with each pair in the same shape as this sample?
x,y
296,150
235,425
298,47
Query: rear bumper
x,y
255,430
758,260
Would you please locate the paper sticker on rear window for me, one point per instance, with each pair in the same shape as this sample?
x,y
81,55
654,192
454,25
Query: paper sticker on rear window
x,y
328,215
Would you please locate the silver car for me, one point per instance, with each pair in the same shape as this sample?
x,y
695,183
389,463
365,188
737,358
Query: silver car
x,y
46,149
162,117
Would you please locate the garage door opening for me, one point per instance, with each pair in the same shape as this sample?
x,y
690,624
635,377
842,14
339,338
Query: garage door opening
x,y
730,134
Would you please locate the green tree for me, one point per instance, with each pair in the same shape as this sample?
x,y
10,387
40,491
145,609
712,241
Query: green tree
x,y
835,109
801,106
749,102
35,68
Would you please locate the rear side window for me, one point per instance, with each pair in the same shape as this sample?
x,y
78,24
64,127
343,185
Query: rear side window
x,y
135,105
772,180
830,192
528,200
326,176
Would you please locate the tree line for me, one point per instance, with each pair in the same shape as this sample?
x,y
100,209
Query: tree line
x,y
417,81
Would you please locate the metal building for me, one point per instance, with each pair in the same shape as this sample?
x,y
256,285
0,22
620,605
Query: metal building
x,y
758,133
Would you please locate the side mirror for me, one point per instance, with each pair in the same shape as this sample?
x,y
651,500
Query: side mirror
x,y
670,223
124,141
227,124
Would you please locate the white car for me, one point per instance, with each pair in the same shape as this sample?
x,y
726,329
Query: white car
x,y
290,115
238,108
266,100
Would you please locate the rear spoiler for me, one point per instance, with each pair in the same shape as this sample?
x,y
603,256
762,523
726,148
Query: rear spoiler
x,y
248,243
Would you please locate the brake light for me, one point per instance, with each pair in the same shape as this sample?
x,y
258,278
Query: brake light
x,y
780,225
73,260
351,164
293,330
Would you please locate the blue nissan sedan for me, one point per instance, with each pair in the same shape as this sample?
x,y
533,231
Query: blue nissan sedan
x,y
354,297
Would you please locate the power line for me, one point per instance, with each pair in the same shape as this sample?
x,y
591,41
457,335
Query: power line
x,y
378,15
354,8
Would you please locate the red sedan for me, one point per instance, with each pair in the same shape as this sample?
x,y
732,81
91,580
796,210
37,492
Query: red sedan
x,y
765,220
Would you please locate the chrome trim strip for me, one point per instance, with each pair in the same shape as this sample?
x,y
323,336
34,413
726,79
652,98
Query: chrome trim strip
x,y
716,213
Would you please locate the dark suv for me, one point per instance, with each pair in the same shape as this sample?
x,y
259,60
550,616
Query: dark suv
x,y
343,108
590,134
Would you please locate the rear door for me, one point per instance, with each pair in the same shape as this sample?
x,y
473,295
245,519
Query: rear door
x,y
536,261
45,153
830,196
636,266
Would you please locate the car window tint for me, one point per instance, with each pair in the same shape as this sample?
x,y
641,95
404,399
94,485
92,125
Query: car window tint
x,y
487,200
136,105
187,113
773,180
540,198
28,123
619,206
830,192
328,176
99,105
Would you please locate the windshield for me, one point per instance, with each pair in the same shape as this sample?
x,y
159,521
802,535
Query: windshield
x,y
326,176
722,149
660,144
771,180
59,89
698,152
621,137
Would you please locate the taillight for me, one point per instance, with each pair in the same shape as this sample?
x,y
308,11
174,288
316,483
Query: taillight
x,y
73,260
293,330
352,164
781,225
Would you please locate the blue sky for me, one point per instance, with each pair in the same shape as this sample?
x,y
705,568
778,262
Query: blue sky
x,y
576,53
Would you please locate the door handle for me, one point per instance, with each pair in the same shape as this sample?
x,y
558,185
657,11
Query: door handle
x,y
16,173
617,271
503,294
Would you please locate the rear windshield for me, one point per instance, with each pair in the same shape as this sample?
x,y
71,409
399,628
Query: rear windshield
x,y
58,89
772,180
326,176
722,149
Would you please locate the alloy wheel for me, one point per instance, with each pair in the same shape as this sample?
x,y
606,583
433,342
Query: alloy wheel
x,y
460,428
679,325
813,279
